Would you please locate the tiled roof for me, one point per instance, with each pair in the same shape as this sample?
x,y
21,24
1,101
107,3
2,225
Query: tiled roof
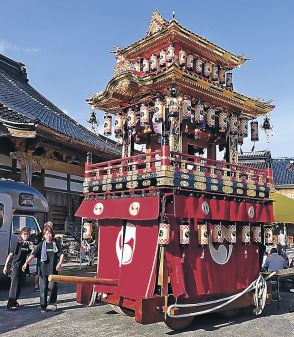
x,y
283,171
26,102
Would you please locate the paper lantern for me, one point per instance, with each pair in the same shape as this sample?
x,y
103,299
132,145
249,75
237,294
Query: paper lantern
x,y
215,73
118,125
256,234
222,76
202,234
199,66
222,121
190,62
216,232
245,234
138,65
186,107
162,58
159,106
199,112
210,117
243,127
207,69
229,80
233,125
153,62
182,58
107,125
184,233
145,65
132,118
254,131
144,115
163,233
268,236
231,236
170,55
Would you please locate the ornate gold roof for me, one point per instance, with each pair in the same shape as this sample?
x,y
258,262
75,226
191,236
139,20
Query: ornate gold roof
x,y
162,32
129,88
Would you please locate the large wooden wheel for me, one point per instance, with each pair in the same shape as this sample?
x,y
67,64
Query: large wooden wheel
x,y
178,323
122,310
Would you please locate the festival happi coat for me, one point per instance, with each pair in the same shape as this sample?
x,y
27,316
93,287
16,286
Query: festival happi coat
x,y
176,226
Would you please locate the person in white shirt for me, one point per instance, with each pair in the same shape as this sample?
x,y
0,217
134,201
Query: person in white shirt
x,y
282,240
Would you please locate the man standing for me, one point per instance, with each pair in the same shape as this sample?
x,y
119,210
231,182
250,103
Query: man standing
x,y
282,240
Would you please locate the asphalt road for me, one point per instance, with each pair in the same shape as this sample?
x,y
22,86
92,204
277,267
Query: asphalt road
x,y
72,319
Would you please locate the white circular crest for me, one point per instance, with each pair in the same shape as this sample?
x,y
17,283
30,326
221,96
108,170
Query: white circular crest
x,y
98,208
134,208
205,207
125,244
220,255
251,212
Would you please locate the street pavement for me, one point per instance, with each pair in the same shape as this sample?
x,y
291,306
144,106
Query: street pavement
x,y
72,319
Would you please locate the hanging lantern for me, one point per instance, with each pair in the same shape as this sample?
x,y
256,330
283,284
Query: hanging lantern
x,y
207,69
170,55
132,118
162,58
216,232
118,125
254,131
186,107
153,62
190,62
210,117
222,121
144,115
107,125
87,230
222,76
173,106
215,73
182,57
202,234
229,81
245,234
163,233
158,116
184,233
199,113
243,127
256,234
233,125
138,65
145,66
268,236
199,66
231,233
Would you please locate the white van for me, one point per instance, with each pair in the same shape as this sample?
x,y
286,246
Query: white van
x,y
18,205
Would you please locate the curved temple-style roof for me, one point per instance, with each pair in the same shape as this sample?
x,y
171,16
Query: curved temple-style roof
x,y
161,30
21,106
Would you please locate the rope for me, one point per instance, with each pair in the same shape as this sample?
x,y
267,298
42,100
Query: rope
x,y
259,298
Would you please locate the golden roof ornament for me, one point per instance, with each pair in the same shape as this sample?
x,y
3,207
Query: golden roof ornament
x,y
157,23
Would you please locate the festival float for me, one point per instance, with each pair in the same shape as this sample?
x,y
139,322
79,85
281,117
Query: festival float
x,y
180,233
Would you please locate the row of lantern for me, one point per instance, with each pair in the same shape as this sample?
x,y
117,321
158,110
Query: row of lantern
x,y
186,60
197,115
219,234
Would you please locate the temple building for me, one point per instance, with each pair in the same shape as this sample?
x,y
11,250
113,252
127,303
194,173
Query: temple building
x,y
42,146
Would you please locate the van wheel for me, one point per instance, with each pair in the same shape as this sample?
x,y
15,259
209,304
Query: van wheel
x,y
178,323
123,311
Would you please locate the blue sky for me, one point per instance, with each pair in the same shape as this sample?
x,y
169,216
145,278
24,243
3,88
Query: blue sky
x,y
65,45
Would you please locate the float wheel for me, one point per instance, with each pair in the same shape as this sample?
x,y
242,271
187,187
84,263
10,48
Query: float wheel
x,y
122,310
178,323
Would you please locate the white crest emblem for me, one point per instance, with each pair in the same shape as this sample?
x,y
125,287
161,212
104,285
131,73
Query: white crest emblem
x,y
134,208
222,254
205,207
251,212
98,208
125,246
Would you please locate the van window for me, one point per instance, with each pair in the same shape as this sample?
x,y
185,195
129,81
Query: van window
x,y
20,221
1,214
